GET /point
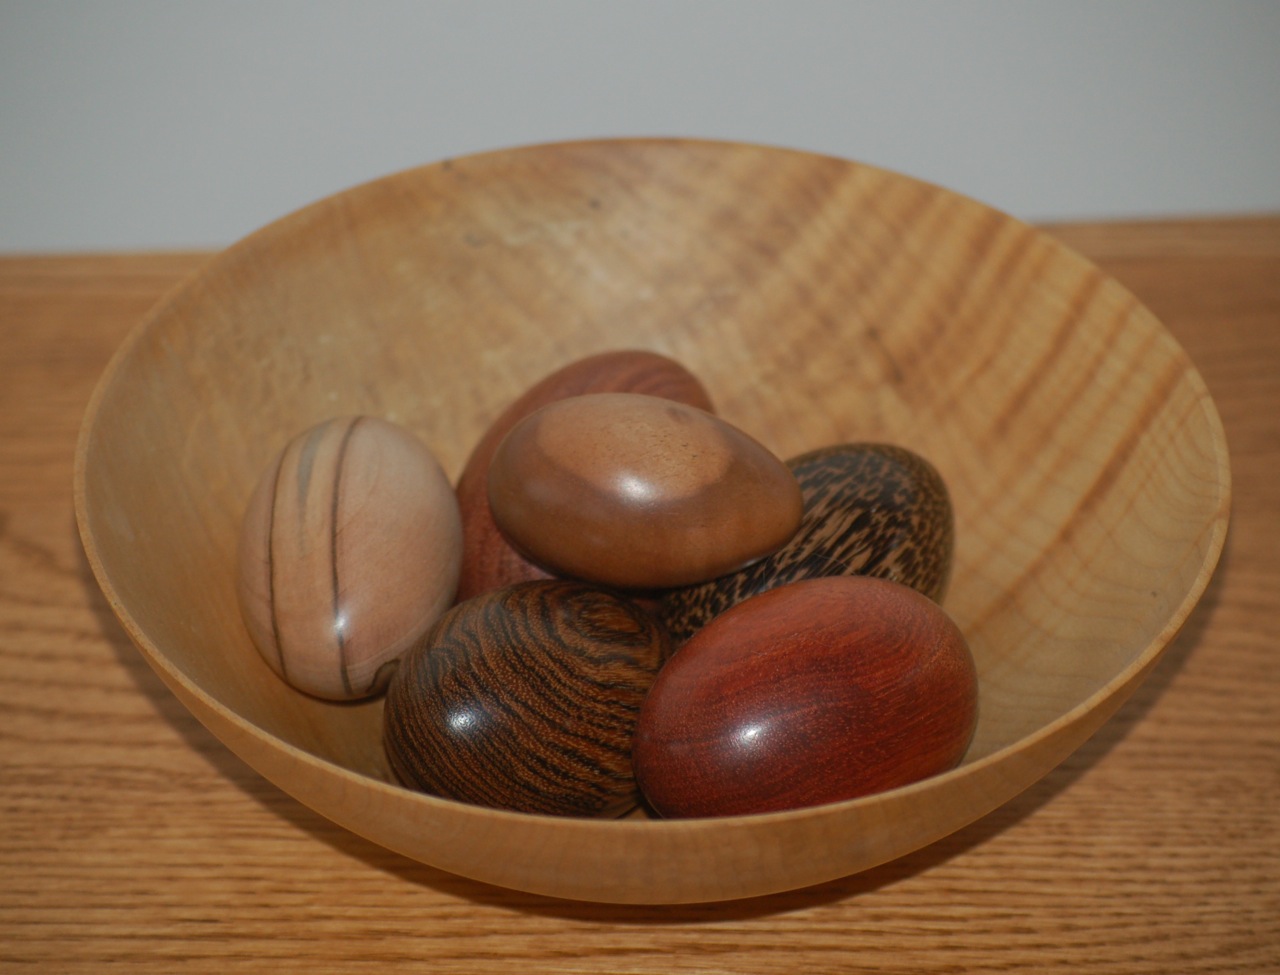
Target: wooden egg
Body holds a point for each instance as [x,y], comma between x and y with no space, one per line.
[869,509]
[639,492]
[348,553]
[814,692]
[488,560]
[526,698]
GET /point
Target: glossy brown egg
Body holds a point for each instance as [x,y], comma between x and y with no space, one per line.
[348,553]
[526,698]
[639,492]
[814,692]
[488,560]
[869,509]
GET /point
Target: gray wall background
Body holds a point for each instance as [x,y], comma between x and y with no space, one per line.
[167,123]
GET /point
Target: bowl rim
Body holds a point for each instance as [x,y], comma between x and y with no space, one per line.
[1113,692]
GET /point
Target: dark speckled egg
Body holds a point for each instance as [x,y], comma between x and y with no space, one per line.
[870,509]
[526,698]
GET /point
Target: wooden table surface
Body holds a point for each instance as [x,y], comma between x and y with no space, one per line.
[130,837]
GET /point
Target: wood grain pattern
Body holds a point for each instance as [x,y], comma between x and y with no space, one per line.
[526,698]
[813,692]
[638,492]
[1085,460]
[131,838]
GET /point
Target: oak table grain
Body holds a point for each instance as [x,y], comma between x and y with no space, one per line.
[131,839]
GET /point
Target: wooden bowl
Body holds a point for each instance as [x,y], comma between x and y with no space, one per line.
[820,301]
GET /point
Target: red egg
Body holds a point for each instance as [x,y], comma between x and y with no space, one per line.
[488,561]
[814,692]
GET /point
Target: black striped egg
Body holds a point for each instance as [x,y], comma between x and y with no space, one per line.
[526,698]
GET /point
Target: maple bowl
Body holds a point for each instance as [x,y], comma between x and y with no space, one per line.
[819,301]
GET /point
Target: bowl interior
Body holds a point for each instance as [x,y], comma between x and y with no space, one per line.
[819,300]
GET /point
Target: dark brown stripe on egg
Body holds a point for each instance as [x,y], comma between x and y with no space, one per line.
[339,624]
[307,461]
[271,570]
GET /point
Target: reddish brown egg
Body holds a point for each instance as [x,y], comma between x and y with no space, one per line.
[348,554]
[639,492]
[814,692]
[488,560]
[526,698]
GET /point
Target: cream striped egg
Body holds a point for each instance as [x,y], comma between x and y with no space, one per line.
[349,551]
